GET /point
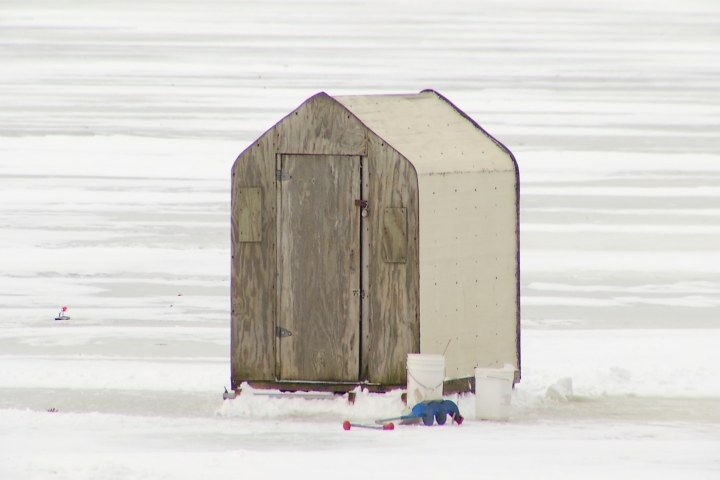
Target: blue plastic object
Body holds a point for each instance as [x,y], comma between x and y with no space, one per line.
[430,412]
[424,411]
[452,409]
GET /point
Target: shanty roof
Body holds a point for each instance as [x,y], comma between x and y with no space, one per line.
[428,130]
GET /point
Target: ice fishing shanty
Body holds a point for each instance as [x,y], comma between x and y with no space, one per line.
[365,228]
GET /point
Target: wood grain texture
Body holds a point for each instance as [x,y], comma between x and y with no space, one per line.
[319,231]
[306,386]
[249,214]
[278,242]
[394,235]
[394,287]
[252,280]
[321,126]
[365,278]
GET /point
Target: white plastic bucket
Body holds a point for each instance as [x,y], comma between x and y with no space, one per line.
[493,392]
[425,377]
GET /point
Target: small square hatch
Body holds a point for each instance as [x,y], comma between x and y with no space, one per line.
[394,246]
[249,212]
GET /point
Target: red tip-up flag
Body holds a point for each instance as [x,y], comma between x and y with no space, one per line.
[64,309]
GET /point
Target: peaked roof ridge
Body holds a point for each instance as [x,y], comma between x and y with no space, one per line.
[471,120]
[430,131]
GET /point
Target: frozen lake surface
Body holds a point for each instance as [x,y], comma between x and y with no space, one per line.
[119,122]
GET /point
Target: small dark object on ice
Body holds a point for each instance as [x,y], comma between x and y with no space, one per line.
[52,410]
[61,315]
[229,395]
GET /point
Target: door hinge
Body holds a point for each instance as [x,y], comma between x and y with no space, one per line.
[281,332]
[358,293]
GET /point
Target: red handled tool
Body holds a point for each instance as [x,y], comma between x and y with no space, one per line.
[386,426]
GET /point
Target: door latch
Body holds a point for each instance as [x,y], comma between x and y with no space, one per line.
[363,204]
[358,293]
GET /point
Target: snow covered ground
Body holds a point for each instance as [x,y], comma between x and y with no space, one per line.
[119,122]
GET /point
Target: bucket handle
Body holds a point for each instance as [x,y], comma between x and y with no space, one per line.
[425,386]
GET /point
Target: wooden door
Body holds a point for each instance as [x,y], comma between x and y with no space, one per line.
[318,325]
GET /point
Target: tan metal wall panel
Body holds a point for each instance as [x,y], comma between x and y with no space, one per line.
[321,126]
[318,260]
[252,280]
[393,287]
[468,287]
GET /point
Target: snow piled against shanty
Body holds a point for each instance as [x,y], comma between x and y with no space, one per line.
[593,371]
[254,403]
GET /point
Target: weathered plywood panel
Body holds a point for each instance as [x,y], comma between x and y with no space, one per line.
[365,276]
[318,260]
[249,214]
[252,280]
[469,264]
[321,126]
[393,290]
[394,239]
